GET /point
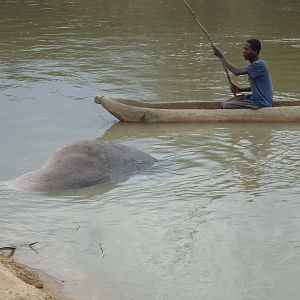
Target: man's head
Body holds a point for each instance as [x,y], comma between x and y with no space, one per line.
[251,49]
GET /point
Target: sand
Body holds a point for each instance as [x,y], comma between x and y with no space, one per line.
[20,282]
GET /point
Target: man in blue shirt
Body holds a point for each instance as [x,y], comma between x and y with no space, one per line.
[259,77]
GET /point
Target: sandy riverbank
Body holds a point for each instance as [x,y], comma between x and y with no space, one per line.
[20,282]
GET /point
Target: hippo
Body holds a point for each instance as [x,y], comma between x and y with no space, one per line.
[82,164]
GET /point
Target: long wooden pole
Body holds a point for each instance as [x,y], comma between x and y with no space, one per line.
[209,38]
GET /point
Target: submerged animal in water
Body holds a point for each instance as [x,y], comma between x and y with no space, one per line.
[84,163]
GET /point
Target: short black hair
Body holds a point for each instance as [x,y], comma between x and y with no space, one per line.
[255,44]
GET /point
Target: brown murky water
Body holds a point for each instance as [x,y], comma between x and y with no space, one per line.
[217,216]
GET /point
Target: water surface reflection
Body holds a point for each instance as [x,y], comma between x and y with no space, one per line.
[217,217]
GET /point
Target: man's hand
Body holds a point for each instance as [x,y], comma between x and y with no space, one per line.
[235,89]
[217,52]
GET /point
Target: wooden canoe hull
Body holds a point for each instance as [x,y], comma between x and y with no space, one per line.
[196,111]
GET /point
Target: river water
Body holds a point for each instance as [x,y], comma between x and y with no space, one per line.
[217,217]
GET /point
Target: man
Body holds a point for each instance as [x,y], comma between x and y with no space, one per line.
[259,77]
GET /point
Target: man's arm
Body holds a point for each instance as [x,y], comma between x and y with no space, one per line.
[236,89]
[230,66]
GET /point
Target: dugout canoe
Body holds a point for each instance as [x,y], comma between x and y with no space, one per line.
[196,111]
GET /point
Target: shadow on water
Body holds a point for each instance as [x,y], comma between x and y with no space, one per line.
[122,131]
[81,194]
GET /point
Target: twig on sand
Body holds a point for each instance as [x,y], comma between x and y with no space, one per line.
[30,246]
[12,250]
[101,249]
[76,228]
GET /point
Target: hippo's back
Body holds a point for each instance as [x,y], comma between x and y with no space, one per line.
[85,163]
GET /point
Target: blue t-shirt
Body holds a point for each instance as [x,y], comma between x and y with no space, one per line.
[261,84]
